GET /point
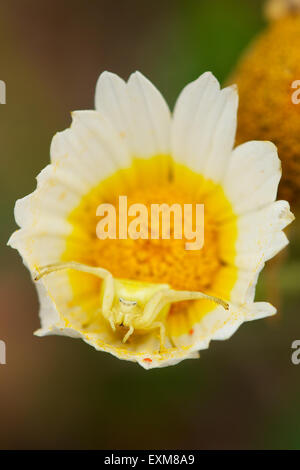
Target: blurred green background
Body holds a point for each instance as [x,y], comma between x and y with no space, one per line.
[58,392]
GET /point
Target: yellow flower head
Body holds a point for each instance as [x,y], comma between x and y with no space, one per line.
[266,77]
[147,298]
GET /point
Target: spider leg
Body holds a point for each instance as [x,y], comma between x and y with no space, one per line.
[166,296]
[96,271]
[162,333]
[112,322]
[128,334]
[50,268]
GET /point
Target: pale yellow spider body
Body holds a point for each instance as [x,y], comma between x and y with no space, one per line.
[134,305]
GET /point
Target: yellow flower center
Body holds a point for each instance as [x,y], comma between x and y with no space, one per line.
[156,261]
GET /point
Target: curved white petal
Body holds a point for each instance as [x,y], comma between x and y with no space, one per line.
[220,324]
[204,126]
[91,149]
[260,235]
[48,313]
[137,111]
[252,176]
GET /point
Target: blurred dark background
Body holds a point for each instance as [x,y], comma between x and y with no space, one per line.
[58,392]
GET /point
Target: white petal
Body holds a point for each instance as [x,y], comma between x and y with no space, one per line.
[260,235]
[113,101]
[137,111]
[247,312]
[38,248]
[92,146]
[259,310]
[204,126]
[220,324]
[244,288]
[48,313]
[252,176]
[205,88]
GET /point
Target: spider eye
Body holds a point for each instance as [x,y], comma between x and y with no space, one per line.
[127,302]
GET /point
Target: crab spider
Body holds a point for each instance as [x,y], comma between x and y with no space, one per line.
[134,305]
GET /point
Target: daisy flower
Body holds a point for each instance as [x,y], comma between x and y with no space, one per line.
[151,300]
